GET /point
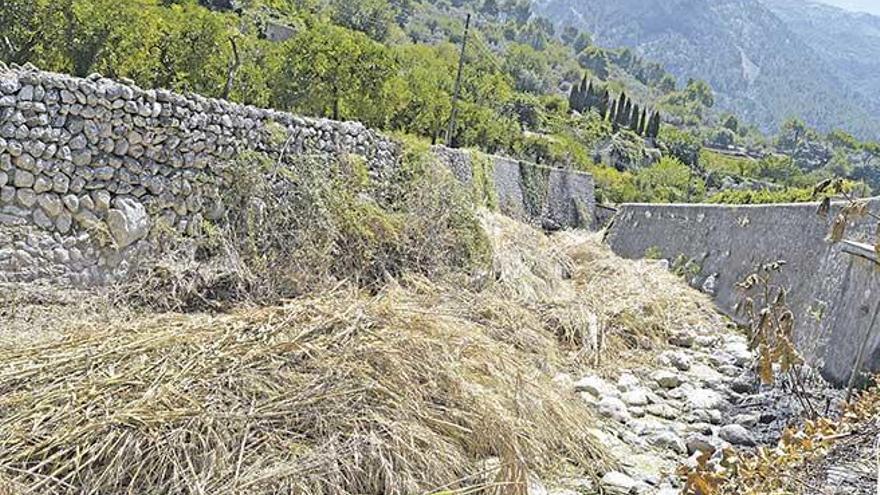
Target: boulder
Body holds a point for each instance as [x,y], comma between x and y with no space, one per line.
[666,379]
[736,435]
[128,221]
[595,386]
[613,408]
[617,483]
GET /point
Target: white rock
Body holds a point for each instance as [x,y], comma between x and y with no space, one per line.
[668,440]
[664,411]
[613,408]
[23,178]
[666,379]
[26,197]
[627,381]
[683,339]
[128,221]
[50,203]
[704,398]
[595,386]
[617,483]
[635,397]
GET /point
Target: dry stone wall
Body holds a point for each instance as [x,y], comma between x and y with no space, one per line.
[832,293]
[89,167]
[85,160]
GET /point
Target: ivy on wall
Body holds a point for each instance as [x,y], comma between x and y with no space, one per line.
[483,181]
[535,186]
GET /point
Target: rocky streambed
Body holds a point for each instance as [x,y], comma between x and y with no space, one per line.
[700,396]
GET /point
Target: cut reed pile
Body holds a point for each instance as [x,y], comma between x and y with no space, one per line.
[598,304]
[403,392]
[408,389]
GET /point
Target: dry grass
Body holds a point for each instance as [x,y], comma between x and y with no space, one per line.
[601,306]
[343,393]
[408,389]
[31,312]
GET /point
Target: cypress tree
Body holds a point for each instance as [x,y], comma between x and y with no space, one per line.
[618,112]
[603,104]
[636,119]
[590,98]
[573,99]
[643,122]
[654,127]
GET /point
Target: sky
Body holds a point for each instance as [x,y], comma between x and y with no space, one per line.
[871,6]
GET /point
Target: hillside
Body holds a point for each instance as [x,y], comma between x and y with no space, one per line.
[759,65]
[848,42]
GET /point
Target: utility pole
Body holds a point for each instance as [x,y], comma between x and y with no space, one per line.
[451,131]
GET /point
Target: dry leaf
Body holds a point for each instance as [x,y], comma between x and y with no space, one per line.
[838,229]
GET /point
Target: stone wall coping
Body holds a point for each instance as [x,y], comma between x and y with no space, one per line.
[572,171]
[714,206]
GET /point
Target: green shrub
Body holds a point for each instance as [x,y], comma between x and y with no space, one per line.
[535,184]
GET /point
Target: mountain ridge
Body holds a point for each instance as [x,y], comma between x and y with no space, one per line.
[726,43]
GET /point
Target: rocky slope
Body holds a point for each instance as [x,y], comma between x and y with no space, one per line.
[699,396]
[759,65]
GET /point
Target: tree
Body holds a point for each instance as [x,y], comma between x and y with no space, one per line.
[418,98]
[489,8]
[635,121]
[670,181]
[643,122]
[604,104]
[333,72]
[373,17]
[582,41]
[700,92]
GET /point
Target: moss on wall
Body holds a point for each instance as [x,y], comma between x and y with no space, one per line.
[535,186]
[483,180]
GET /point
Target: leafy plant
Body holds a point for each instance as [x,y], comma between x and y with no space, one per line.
[771,327]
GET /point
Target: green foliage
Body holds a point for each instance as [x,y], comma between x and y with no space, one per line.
[726,165]
[483,181]
[670,181]
[788,195]
[535,184]
[614,186]
[300,225]
[334,72]
[682,145]
[653,253]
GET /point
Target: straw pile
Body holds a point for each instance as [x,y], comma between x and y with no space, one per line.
[408,389]
[403,392]
[598,304]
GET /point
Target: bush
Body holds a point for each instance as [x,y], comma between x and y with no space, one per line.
[305,224]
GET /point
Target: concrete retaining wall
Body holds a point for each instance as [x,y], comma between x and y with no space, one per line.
[833,294]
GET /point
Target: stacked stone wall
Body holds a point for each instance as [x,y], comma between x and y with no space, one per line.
[89,167]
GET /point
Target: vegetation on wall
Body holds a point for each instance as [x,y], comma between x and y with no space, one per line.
[535,184]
